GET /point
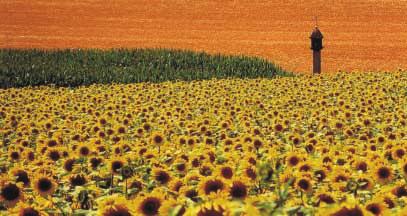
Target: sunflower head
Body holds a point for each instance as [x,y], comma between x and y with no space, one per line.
[387,199]
[211,211]
[348,210]
[226,171]
[238,190]
[44,185]
[383,174]
[116,164]
[77,180]
[54,154]
[249,171]
[400,190]
[157,138]
[190,193]
[304,184]
[365,182]
[212,185]
[326,198]
[161,176]
[375,208]
[361,165]
[23,209]
[84,150]
[149,205]
[10,194]
[22,176]
[115,206]
[175,185]
[293,159]
[69,164]
[95,162]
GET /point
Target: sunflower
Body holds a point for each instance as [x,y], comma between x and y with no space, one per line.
[375,208]
[135,184]
[214,208]
[212,186]
[212,211]
[157,138]
[365,182]
[196,162]
[249,171]
[95,162]
[84,150]
[238,190]
[180,166]
[115,206]
[296,140]
[400,190]
[24,209]
[14,155]
[209,141]
[29,155]
[191,141]
[287,177]
[121,129]
[225,171]
[353,210]
[77,180]
[10,194]
[51,143]
[161,176]
[175,185]
[69,164]
[116,164]
[224,124]
[383,174]
[21,175]
[182,140]
[258,143]
[304,184]
[172,207]
[293,159]
[190,193]
[361,165]
[54,154]
[44,185]
[250,208]
[320,175]
[149,205]
[205,169]
[387,199]
[325,198]
[403,166]
[340,175]
[305,167]
[278,127]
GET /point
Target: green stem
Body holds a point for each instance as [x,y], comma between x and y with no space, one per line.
[111,183]
[125,182]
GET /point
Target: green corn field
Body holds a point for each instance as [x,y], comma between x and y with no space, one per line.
[75,67]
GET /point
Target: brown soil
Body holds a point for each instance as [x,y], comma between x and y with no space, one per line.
[363,35]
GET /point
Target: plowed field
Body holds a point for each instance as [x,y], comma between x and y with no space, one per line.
[362,35]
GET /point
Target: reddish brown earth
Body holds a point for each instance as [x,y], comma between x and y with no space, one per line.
[363,34]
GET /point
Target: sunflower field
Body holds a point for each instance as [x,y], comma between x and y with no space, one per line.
[307,145]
